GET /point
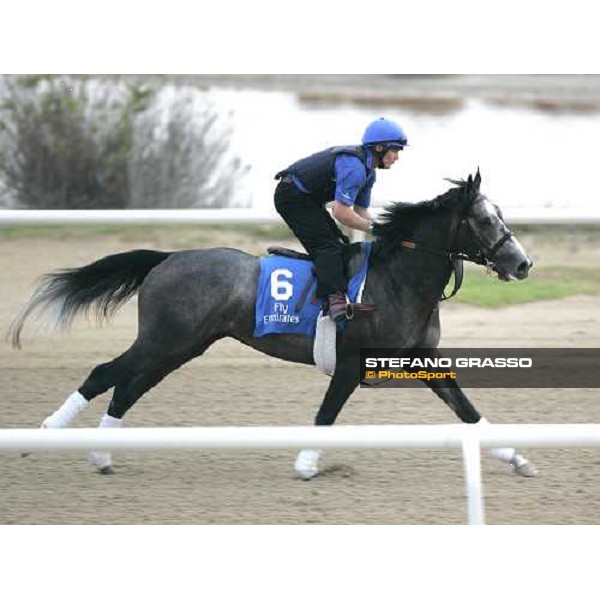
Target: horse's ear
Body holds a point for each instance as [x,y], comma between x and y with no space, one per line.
[477,181]
[470,182]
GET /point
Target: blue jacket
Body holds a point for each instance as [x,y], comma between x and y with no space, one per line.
[341,173]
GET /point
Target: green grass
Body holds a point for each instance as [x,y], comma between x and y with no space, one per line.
[544,283]
[57,231]
[140,232]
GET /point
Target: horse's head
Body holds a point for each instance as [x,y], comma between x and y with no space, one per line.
[462,223]
[482,234]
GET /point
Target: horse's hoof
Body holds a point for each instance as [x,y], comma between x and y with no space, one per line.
[522,466]
[525,469]
[307,464]
[101,461]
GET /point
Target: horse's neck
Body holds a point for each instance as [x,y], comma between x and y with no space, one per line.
[434,231]
[425,269]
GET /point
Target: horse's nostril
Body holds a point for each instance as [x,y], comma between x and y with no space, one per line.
[524,266]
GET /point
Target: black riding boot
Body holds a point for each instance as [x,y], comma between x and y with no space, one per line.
[338,306]
[342,311]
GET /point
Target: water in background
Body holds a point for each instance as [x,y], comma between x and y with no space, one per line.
[528,159]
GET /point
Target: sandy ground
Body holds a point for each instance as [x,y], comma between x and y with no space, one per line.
[371,487]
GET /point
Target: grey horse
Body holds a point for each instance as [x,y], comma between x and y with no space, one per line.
[188,300]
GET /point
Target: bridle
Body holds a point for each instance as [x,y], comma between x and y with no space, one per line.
[456,257]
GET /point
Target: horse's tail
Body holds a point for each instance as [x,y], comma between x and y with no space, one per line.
[105,284]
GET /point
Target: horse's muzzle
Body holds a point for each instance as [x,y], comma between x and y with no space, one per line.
[523,269]
[520,272]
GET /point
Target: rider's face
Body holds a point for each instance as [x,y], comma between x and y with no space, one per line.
[389,158]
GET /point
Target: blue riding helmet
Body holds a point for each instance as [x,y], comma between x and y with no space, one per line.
[386,132]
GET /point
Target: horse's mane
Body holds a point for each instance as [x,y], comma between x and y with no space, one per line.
[400,219]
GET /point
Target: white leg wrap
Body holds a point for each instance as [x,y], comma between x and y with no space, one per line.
[307,464]
[99,458]
[509,455]
[108,421]
[71,407]
[504,454]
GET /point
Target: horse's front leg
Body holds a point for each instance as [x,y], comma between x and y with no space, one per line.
[450,392]
[345,380]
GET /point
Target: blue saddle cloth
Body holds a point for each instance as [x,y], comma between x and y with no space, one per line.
[283,304]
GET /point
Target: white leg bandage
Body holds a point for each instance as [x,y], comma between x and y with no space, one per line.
[509,455]
[307,463]
[108,421]
[71,407]
[99,458]
[504,454]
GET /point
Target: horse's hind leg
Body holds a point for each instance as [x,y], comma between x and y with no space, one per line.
[142,369]
[101,379]
[126,393]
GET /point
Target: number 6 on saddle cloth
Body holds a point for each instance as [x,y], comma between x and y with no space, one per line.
[285,299]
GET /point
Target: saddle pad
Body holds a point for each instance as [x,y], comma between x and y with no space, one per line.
[283,305]
[324,350]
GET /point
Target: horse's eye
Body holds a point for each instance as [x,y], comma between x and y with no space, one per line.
[486,221]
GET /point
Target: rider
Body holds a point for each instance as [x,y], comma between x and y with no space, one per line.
[344,175]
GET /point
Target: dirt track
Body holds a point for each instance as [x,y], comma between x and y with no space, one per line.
[392,487]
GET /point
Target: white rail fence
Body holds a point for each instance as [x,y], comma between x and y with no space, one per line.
[470,439]
[244,215]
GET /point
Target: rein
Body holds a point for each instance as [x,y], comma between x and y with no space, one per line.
[455,257]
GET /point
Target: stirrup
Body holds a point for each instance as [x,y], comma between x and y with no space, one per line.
[354,308]
[340,302]
[349,311]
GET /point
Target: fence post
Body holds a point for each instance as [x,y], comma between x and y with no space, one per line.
[471,450]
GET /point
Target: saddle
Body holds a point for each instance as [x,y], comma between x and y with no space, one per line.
[287,252]
[354,258]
